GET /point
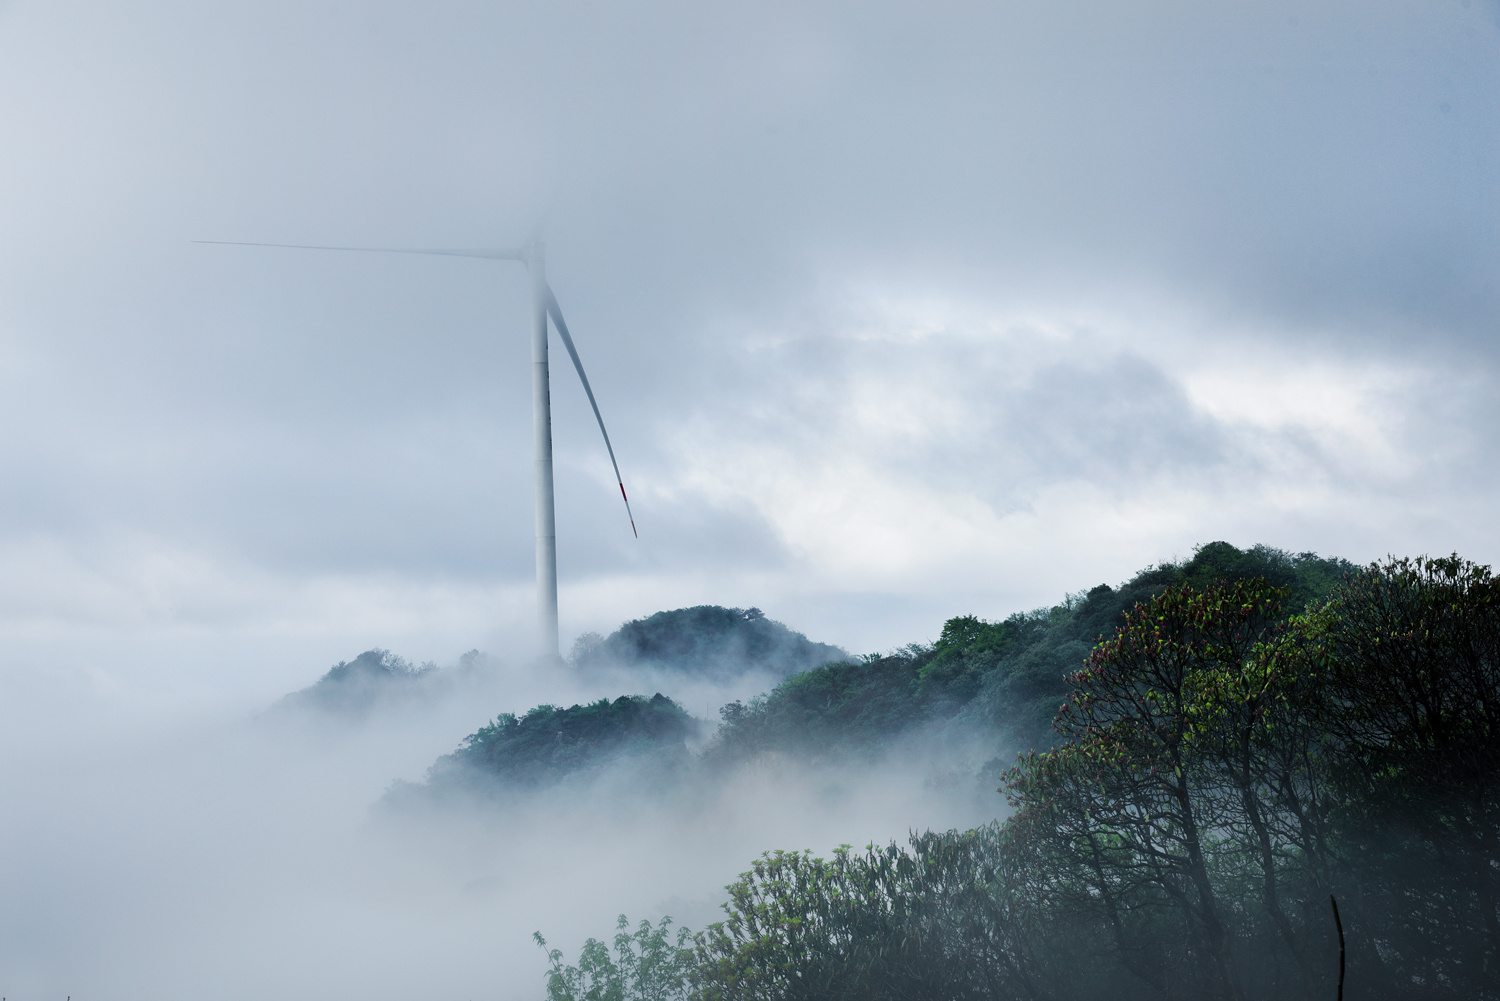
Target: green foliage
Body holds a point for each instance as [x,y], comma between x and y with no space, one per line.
[967,649]
[1007,677]
[549,742]
[1022,692]
[1003,679]
[1227,771]
[834,707]
[648,965]
[708,641]
[1405,663]
[935,921]
[1143,797]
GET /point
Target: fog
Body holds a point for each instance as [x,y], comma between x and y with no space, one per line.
[242,854]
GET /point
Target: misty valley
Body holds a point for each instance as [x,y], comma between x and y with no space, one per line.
[1249,774]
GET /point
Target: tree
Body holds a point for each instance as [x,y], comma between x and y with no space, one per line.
[939,921]
[1133,794]
[648,965]
[1408,655]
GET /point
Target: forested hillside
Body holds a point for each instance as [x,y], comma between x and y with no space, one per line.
[706,640]
[550,743]
[1006,677]
[354,687]
[999,683]
[1235,754]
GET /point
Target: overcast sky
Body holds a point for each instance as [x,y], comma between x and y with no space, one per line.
[895,311]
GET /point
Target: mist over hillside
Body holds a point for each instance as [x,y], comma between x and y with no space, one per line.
[455,810]
[963,706]
[702,652]
[643,738]
[705,641]
[356,686]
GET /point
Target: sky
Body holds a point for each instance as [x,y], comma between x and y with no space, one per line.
[896,312]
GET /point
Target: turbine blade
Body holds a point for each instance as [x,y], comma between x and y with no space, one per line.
[555,312]
[487,254]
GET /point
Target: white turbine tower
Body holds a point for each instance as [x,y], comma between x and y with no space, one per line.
[544,304]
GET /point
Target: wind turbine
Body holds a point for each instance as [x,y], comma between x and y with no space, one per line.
[543,305]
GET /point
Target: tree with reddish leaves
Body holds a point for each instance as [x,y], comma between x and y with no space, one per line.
[1135,778]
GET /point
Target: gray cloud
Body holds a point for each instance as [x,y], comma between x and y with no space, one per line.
[1192,185]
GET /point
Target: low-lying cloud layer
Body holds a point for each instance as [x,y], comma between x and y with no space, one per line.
[240,857]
